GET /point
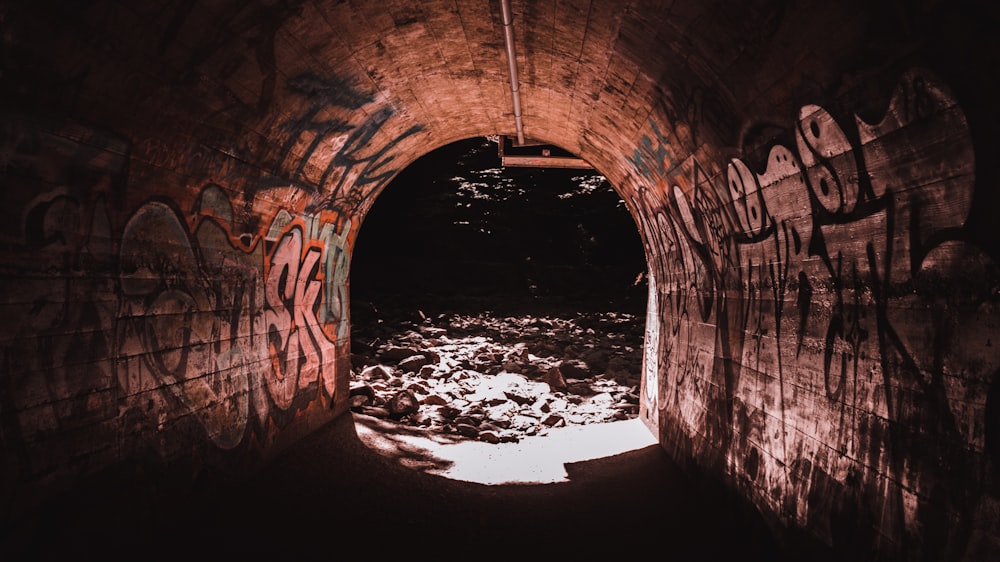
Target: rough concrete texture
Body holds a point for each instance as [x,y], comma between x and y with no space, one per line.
[183,183]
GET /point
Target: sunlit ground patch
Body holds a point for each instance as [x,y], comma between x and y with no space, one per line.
[537,459]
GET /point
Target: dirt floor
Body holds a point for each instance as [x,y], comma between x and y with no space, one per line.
[382,489]
[355,488]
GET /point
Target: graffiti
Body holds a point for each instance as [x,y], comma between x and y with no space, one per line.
[298,347]
[307,132]
[59,178]
[816,277]
[329,153]
[374,171]
[654,158]
[220,316]
[336,268]
[169,321]
[650,359]
[229,328]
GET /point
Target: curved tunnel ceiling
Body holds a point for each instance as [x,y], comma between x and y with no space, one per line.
[308,90]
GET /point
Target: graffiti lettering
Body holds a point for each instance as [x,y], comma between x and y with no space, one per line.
[345,177]
[820,275]
[299,350]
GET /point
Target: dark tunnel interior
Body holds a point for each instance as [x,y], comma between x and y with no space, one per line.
[458,229]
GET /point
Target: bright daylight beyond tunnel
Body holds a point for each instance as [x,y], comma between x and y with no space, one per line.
[497,313]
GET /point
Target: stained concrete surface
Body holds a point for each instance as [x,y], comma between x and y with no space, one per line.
[335,493]
[364,488]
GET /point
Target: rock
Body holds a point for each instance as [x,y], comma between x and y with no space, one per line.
[498,376]
[531,370]
[362,395]
[627,408]
[449,412]
[467,419]
[375,411]
[558,404]
[487,426]
[417,388]
[554,378]
[402,403]
[553,420]
[596,359]
[541,405]
[413,363]
[434,400]
[574,369]
[432,332]
[467,430]
[500,414]
[580,389]
[602,399]
[394,354]
[422,419]
[376,372]
[518,398]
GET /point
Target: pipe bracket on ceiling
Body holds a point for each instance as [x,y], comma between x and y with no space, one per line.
[545,159]
[508,39]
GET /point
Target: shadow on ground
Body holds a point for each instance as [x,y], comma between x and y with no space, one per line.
[331,494]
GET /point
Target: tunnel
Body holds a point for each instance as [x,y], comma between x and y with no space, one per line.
[812,183]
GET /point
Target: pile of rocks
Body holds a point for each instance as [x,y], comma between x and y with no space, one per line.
[498,378]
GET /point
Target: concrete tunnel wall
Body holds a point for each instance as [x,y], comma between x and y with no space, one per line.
[183,183]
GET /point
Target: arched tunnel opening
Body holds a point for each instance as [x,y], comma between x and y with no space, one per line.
[458,227]
[185,182]
[498,303]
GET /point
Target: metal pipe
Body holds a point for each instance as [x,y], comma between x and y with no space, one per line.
[508,39]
